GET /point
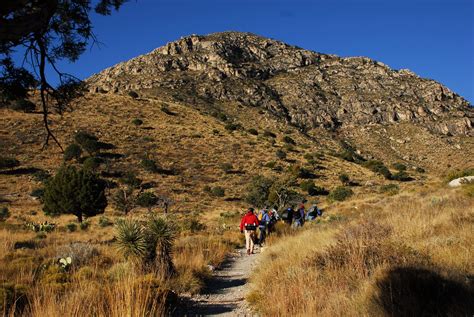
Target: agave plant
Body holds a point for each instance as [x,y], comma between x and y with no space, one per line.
[131,240]
[160,235]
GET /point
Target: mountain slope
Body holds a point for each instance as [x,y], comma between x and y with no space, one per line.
[306,89]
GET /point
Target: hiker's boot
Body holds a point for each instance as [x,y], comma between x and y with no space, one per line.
[248,251]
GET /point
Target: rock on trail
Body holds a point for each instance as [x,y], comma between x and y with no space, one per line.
[225,293]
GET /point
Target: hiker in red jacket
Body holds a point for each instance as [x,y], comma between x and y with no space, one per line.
[249,224]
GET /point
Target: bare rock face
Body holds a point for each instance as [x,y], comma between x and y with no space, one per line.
[306,88]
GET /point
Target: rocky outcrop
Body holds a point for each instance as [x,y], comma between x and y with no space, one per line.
[306,88]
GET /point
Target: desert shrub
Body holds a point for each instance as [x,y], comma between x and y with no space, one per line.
[137,121]
[269,134]
[105,222]
[233,126]
[88,142]
[72,151]
[344,178]
[124,200]
[71,227]
[420,170]
[149,165]
[4,213]
[91,163]
[84,225]
[349,153]
[133,94]
[399,166]
[378,167]
[218,191]
[289,147]
[455,174]
[258,190]
[131,180]
[312,190]
[289,140]
[306,185]
[147,200]
[252,131]
[280,154]
[8,162]
[340,193]
[401,176]
[308,157]
[226,167]
[207,189]
[73,191]
[390,189]
[23,105]
[193,225]
[38,193]
[41,176]
[467,188]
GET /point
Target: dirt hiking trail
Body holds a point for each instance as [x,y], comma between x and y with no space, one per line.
[225,292]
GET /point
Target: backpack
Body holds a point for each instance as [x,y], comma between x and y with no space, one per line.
[285,215]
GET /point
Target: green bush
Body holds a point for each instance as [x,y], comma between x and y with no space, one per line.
[137,121]
[149,165]
[308,157]
[420,170]
[289,140]
[252,131]
[23,105]
[123,200]
[71,227]
[378,167]
[77,192]
[88,142]
[73,151]
[8,162]
[166,110]
[340,193]
[399,167]
[91,163]
[280,154]
[233,126]
[104,222]
[402,176]
[270,164]
[344,178]
[133,94]
[218,191]
[4,213]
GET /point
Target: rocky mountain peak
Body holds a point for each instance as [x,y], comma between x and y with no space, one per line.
[306,88]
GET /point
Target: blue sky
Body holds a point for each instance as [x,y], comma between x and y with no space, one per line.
[434,38]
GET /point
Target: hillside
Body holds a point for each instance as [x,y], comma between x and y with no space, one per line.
[196,121]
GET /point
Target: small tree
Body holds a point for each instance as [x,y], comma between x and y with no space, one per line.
[88,142]
[131,180]
[4,214]
[281,194]
[73,151]
[77,192]
[149,165]
[91,163]
[124,200]
[258,190]
[344,178]
[281,154]
[340,193]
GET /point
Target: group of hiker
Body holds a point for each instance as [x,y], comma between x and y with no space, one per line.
[264,222]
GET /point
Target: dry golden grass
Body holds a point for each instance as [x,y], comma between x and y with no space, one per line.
[378,264]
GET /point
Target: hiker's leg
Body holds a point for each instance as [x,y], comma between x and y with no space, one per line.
[247,240]
[251,241]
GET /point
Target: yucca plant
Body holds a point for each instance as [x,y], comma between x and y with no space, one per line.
[160,235]
[131,241]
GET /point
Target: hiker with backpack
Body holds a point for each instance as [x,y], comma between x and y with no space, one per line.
[263,226]
[287,215]
[248,225]
[299,216]
[313,213]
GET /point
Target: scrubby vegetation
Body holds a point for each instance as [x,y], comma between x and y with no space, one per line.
[410,258]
